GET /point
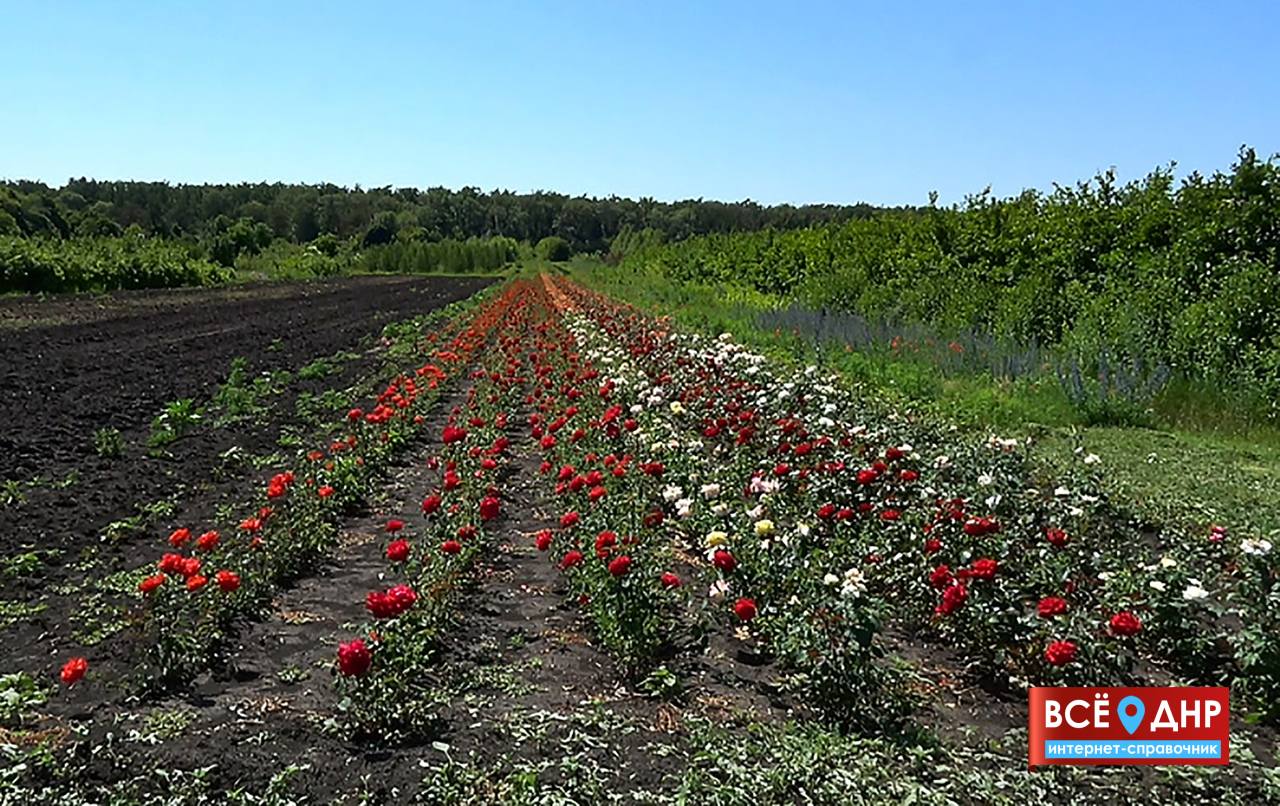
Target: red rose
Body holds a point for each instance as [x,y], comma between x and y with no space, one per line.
[890,515]
[619,566]
[596,493]
[394,526]
[908,475]
[73,671]
[207,541]
[984,568]
[354,658]
[932,546]
[403,595]
[171,563]
[976,527]
[1060,653]
[151,583]
[745,609]
[543,540]
[941,577]
[325,492]
[571,558]
[489,506]
[724,561]
[179,537]
[398,551]
[1125,624]
[670,580]
[604,541]
[1056,536]
[431,503]
[953,599]
[569,519]
[1051,606]
[451,547]
[196,582]
[228,581]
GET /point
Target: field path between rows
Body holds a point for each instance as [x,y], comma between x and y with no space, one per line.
[310,619]
[519,615]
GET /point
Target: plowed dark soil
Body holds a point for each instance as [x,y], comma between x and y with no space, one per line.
[69,367]
[72,365]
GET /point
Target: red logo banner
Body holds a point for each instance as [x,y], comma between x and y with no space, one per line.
[1170,725]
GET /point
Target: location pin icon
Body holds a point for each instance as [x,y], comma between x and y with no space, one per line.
[1131,711]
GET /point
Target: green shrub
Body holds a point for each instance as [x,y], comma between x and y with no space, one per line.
[553,248]
[1184,276]
[101,264]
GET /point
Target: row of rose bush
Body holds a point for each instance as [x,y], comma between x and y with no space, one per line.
[208,580]
[832,517]
[384,674]
[610,541]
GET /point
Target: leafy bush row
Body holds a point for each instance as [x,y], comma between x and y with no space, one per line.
[1186,275]
[422,257]
[98,264]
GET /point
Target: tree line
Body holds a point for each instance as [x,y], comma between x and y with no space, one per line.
[376,216]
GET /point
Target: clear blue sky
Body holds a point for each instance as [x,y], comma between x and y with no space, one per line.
[836,102]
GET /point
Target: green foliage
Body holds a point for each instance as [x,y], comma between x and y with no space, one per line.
[374,216]
[19,695]
[282,260]
[230,240]
[1180,276]
[476,255]
[108,443]
[101,264]
[554,249]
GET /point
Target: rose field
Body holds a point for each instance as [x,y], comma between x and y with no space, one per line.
[521,540]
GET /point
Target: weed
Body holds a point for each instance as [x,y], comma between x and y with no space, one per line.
[19,695]
[11,611]
[108,443]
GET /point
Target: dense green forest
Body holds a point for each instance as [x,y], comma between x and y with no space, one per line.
[302,213]
[1180,274]
[92,235]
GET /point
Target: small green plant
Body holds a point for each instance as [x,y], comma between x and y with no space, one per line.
[108,443]
[11,612]
[118,530]
[163,725]
[320,368]
[11,494]
[157,509]
[662,683]
[178,418]
[292,674]
[25,564]
[19,695]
